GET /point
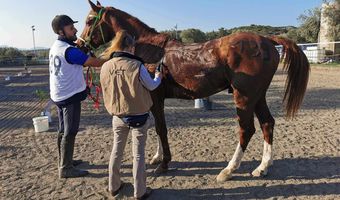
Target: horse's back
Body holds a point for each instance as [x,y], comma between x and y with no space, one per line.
[195,69]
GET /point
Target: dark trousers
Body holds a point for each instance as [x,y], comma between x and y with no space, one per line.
[69,117]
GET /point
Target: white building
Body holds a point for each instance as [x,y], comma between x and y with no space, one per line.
[330,48]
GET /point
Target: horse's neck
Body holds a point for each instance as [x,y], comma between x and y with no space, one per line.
[156,39]
[151,47]
[122,20]
[149,43]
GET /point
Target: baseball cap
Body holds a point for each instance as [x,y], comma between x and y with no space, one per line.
[60,21]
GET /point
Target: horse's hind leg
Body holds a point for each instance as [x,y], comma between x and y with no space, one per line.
[246,131]
[267,125]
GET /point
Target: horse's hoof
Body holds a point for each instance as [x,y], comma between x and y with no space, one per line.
[160,169]
[224,176]
[155,161]
[259,172]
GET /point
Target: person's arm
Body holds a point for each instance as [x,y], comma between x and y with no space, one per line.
[146,79]
[94,62]
[76,56]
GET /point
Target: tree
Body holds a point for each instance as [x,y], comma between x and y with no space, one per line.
[261,29]
[222,32]
[294,34]
[10,52]
[217,34]
[310,25]
[332,13]
[192,35]
[172,33]
[211,35]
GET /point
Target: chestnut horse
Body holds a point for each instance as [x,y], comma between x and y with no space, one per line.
[244,61]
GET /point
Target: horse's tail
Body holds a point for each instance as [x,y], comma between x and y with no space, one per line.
[297,66]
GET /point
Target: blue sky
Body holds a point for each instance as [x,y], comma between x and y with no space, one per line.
[16,19]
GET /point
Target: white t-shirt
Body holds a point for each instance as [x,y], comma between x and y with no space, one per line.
[66,79]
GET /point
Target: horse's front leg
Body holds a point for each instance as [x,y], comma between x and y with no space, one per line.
[163,145]
[246,131]
[158,157]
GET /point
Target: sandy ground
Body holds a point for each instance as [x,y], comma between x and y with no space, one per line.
[306,150]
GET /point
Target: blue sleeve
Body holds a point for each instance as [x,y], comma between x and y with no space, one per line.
[146,79]
[74,55]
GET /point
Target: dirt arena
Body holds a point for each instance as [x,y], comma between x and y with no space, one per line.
[306,149]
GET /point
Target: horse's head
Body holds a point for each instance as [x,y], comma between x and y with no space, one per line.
[102,24]
[98,29]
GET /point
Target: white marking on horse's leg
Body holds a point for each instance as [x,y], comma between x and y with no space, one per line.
[233,164]
[267,160]
[157,158]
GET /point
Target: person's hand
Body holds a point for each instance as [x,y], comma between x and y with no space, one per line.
[158,75]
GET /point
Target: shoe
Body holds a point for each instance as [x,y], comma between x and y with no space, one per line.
[72,173]
[77,162]
[145,195]
[115,193]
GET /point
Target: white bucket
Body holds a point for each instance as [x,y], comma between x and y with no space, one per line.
[203,103]
[199,103]
[40,124]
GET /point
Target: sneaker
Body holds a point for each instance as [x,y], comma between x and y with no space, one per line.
[72,173]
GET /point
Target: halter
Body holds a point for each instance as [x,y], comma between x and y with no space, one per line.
[87,40]
[91,74]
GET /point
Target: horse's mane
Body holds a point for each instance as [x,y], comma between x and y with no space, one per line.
[135,22]
[149,41]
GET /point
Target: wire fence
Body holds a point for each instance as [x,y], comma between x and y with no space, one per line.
[27,57]
[23,60]
[327,52]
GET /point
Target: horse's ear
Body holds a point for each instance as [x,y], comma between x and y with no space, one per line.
[98,3]
[94,7]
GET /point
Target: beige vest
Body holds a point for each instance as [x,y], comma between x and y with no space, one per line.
[123,92]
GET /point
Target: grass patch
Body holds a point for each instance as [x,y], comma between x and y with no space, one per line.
[41,94]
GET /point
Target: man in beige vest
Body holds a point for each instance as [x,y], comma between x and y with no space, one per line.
[126,84]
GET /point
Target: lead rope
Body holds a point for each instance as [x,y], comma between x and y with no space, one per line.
[92,80]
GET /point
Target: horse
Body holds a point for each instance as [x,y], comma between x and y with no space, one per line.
[244,62]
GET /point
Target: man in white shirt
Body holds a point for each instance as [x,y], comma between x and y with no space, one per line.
[67,90]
